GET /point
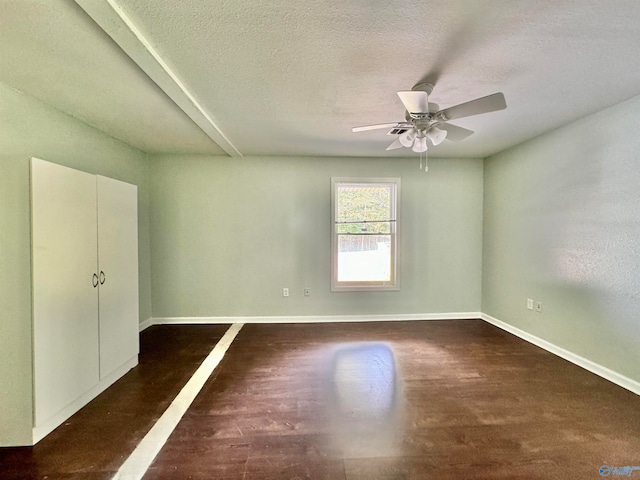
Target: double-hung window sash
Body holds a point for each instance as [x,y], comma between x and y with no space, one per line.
[365,225]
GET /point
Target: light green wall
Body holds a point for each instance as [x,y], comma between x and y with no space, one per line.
[227,234]
[562,225]
[31,128]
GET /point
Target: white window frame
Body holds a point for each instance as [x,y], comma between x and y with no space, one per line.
[394,283]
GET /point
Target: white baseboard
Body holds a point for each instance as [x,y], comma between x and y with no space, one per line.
[145,324]
[317,318]
[596,368]
[44,429]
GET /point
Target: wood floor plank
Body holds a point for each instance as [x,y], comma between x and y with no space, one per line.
[407,400]
[94,442]
[376,401]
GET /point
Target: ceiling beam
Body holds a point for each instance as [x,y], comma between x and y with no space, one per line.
[116,23]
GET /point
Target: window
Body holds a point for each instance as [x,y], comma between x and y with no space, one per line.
[364,217]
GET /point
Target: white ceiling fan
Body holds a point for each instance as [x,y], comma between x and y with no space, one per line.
[424,121]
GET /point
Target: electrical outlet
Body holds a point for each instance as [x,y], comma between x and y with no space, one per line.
[539,307]
[307,292]
[285,292]
[530,303]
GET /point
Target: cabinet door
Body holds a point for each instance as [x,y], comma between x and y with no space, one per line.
[65,302]
[118,262]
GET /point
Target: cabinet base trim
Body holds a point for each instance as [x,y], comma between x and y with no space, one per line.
[41,431]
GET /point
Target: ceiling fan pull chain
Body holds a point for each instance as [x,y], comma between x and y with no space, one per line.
[420,160]
[426,165]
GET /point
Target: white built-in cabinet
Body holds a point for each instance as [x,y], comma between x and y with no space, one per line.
[85,288]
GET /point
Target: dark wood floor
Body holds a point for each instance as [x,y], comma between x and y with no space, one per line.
[374,401]
[94,442]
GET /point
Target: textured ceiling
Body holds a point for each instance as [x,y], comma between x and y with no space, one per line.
[291,77]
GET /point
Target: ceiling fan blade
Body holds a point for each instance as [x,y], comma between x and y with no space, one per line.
[395,144]
[454,132]
[375,127]
[415,101]
[490,103]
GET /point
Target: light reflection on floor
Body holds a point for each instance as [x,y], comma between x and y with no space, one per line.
[364,399]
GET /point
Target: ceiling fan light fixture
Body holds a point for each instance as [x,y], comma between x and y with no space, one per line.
[437,135]
[406,139]
[420,145]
